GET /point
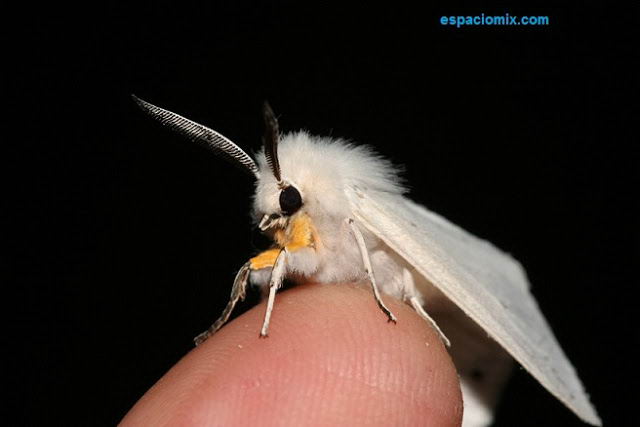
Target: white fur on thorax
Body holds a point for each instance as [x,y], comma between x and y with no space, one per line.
[323,169]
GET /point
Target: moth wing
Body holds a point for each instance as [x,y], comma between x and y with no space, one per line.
[487,284]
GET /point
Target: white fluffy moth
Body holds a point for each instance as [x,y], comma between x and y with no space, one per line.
[337,213]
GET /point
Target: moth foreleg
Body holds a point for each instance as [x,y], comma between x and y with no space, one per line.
[369,270]
[238,292]
[277,275]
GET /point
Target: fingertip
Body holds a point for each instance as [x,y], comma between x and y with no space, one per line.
[330,358]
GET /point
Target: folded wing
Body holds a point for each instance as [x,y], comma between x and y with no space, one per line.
[486,283]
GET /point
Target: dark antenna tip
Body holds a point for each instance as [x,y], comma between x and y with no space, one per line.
[144,105]
[267,112]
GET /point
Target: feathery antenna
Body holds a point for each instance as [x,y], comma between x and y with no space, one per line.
[270,140]
[211,139]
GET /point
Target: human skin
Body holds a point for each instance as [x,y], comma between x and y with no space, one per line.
[331,358]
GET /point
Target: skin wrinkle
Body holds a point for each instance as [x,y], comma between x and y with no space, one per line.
[370,367]
[385,383]
[331,359]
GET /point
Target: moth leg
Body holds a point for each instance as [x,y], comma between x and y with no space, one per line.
[422,313]
[410,292]
[277,274]
[238,292]
[367,265]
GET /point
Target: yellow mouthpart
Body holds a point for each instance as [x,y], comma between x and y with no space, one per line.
[299,234]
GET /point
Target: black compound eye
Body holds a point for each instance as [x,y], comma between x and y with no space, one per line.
[290,200]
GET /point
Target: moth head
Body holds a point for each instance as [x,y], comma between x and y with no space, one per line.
[272,186]
[311,178]
[305,174]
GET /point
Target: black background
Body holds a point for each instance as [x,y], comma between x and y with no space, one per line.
[124,238]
